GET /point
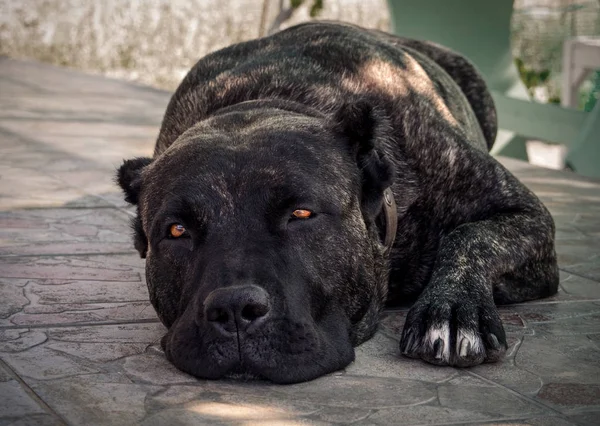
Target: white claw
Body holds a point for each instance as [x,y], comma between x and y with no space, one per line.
[464,347]
[441,332]
[469,343]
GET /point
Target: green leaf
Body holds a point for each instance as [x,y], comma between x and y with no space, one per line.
[316,8]
[543,75]
[520,65]
[530,78]
[554,100]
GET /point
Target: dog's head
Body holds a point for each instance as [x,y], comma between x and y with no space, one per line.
[258,228]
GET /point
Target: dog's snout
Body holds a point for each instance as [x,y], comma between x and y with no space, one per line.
[234,309]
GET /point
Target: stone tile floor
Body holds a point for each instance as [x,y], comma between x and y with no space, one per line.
[79,340]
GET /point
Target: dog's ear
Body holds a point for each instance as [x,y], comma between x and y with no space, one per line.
[130,180]
[129,177]
[368,131]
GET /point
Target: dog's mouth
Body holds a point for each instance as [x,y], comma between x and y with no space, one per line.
[282,351]
[241,373]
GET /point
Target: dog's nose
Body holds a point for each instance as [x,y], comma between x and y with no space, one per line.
[234,309]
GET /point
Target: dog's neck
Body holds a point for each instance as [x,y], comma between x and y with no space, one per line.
[390,216]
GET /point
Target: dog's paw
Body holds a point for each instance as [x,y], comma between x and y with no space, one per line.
[460,334]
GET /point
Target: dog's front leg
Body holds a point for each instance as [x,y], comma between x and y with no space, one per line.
[508,257]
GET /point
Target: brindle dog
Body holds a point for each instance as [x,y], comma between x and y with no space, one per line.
[262,217]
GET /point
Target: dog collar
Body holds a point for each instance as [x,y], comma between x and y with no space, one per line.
[390,214]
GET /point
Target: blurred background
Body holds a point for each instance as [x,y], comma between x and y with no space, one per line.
[539,29]
[155,42]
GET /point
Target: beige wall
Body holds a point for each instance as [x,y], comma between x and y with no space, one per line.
[151,41]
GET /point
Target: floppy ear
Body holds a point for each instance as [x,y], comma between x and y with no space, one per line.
[129,177]
[368,131]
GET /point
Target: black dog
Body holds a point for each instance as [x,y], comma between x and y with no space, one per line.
[263,214]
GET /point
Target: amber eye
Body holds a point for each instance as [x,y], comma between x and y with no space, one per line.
[302,214]
[177,230]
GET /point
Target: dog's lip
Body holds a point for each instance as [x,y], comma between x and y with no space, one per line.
[241,373]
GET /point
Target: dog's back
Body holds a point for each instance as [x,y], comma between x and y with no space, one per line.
[331,64]
[465,74]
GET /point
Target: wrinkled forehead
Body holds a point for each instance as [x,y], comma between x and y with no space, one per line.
[232,158]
